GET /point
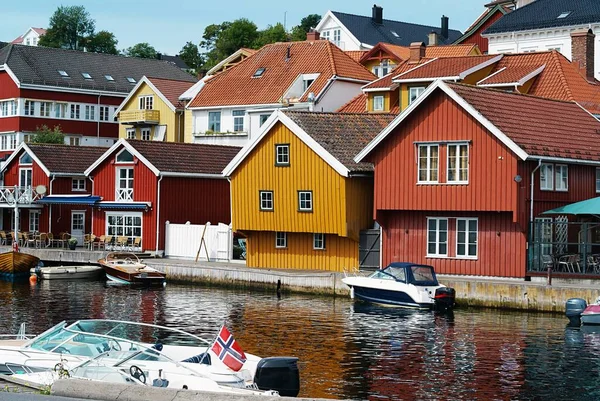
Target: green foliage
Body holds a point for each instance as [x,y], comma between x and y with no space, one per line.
[272,34]
[44,134]
[69,28]
[102,42]
[190,54]
[141,50]
[222,40]
[299,31]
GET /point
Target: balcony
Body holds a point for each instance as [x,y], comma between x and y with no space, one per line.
[18,195]
[139,117]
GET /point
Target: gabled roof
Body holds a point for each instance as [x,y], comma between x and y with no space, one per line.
[402,53]
[516,76]
[386,82]
[335,137]
[356,105]
[448,68]
[545,14]
[175,60]
[175,159]
[38,66]
[489,12]
[239,55]
[368,32]
[238,85]
[355,55]
[19,40]
[55,159]
[532,127]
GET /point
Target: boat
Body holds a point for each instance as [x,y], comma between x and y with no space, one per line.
[67,272]
[126,268]
[16,265]
[159,352]
[580,313]
[402,284]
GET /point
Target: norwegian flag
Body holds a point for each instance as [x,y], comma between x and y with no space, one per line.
[228,350]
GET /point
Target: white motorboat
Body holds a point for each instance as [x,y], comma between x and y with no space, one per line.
[579,312]
[67,272]
[402,284]
[157,351]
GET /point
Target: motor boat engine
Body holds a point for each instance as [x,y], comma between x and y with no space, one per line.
[444,298]
[278,373]
[574,307]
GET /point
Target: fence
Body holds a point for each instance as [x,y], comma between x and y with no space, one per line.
[207,242]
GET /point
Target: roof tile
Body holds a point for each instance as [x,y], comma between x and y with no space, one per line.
[66,159]
[171,89]
[445,67]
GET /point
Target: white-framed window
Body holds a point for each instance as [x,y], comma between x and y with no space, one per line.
[104,113]
[238,120]
[382,69]
[78,184]
[326,35]
[597,179]
[437,237]
[378,103]
[263,119]
[562,177]
[29,109]
[546,177]
[414,92]
[280,240]
[34,221]
[124,157]
[458,163]
[8,108]
[543,234]
[319,241]
[428,163]
[13,141]
[74,141]
[124,191]
[60,110]
[145,134]
[124,224]
[282,155]
[214,121]
[45,109]
[266,200]
[146,102]
[305,201]
[25,177]
[8,141]
[25,159]
[90,112]
[75,111]
[337,36]
[130,133]
[466,238]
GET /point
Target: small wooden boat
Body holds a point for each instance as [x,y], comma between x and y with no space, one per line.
[67,272]
[16,265]
[126,268]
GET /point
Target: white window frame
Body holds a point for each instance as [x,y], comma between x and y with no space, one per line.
[428,167]
[548,183]
[558,178]
[146,102]
[416,91]
[124,194]
[145,134]
[124,162]
[75,112]
[303,199]
[46,109]
[282,155]
[378,103]
[238,120]
[597,180]
[61,110]
[104,113]
[78,184]
[457,169]
[34,221]
[74,141]
[264,198]
[337,36]
[319,242]
[280,240]
[130,133]
[214,126]
[123,226]
[467,243]
[437,241]
[90,112]
[29,108]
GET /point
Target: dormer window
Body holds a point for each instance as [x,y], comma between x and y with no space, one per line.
[564,14]
[109,78]
[25,159]
[124,156]
[259,73]
[63,73]
[395,34]
[86,75]
[131,80]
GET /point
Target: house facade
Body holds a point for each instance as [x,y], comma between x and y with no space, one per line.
[462,174]
[144,184]
[297,195]
[30,38]
[473,34]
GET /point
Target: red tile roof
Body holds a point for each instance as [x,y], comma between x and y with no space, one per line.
[539,126]
[236,86]
[356,105]
[66,159]
[355,55]
[386,81]
[445,67]
[510,76]
[171,89]
[402,53]
[19,40]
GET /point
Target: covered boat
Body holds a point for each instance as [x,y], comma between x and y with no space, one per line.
[67,272]
[402,284]
[579,312]
[126,268]
[16,265]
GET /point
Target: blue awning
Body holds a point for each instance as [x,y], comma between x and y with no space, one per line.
[87,200]
[123,205]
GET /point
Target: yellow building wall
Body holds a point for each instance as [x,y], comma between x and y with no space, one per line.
[360,208]
[477,76]
[188,136]
[369,64]
[371,102]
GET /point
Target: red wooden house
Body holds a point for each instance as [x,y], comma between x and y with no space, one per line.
[66,204]
[493,12]
[143,184]
[463,171]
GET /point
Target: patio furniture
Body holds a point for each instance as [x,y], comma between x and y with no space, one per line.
[41,240]
[3,238]
[547,262]
[100,242]
[136,244]
[569,263]
[88,241]
[121,243]
[108,242]
[64,237]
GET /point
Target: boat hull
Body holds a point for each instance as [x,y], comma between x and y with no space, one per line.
[15,265]
[68,272]
[388,298]
[114,273]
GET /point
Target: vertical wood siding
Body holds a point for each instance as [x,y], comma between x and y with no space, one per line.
[8,88]
[359,192]
[476,37]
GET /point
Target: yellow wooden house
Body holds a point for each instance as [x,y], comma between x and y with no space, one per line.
[297,195]
[153,111]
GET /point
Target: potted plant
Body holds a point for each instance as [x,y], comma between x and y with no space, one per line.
[72,243]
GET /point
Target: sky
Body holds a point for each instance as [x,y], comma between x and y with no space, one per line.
[168,25]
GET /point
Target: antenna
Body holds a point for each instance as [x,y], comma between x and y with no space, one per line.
[284,20]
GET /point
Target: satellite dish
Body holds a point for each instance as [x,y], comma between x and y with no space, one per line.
[40,189]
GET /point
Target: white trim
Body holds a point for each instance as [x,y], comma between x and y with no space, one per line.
[279,116]
[412,69]
[11,74]
[131,94]
[122,142]
[78,179]
[50,88]
[437,253]
[190,175]
[236,106]
[329,14]
[426,79]
[478,67]
[489,76]
[284,240]
[368,90]
[520,82]
[466,243]
[233,56]
[27,149]
[193,91]
[457,159]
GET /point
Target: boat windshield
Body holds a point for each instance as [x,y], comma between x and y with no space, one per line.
[423,275]
[390,273]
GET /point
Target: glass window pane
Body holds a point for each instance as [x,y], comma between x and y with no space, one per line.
[443,224]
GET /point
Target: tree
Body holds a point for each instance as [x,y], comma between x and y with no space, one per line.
[102,42]
[191,56]
[141,50]
[299,31]
[69,28]
[44,134]
[222,40]
[272,34]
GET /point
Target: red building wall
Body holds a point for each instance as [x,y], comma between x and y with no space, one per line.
[476,37]
[8,88]
[87,128]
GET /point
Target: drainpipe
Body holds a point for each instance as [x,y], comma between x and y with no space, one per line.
[98,124]
[181,139]
[532,183]
[50,207]
[91,178]
[158,214]
[230,239]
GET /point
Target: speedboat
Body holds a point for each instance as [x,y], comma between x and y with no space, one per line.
[408,285]
[579,312]
[157,351]
[66,272]
[127,268]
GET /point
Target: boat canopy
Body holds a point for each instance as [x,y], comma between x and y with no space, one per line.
[410,273]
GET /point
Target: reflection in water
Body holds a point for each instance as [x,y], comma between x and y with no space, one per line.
[346,350]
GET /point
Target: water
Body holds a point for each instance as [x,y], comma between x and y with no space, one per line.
[347,350]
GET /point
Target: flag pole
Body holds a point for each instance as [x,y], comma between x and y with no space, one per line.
[211,344]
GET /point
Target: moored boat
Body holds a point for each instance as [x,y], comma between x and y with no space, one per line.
[67,272]
[126,268]
[579,312]
[16,265]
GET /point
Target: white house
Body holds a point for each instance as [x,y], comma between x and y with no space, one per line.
[30,38]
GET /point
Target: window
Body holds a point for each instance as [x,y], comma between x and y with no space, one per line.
[306,83]
[259,73]
[29,109]
[104,113]
[13,141]
[131,80]
[428,163]
[78,184]
[34,221]
[146,102]
[305,201]
[325,35]
[280,240]
[86,75]
[337,36]
[124,157]
[75,110]
[238,120]
[45,109]
[109,78]
[63,73]
[263,118]
[25,177]
[466,238]
[25,159]
[414,93]
[124,184]
[547,177]
[145,134]
[437,236]
[562,177]
[90,112]
[378,103]
[60,110]
[597,179]
[214,121]
[395,34]
[124,224]
[74,140]
[382,69]
[458,163]
[130,133]
[282,155]
[319,241]
[266,200]
[564,14]
[7,108]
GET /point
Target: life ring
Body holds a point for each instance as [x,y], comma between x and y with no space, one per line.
[15,246]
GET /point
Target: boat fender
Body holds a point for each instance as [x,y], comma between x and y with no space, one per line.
[15,246]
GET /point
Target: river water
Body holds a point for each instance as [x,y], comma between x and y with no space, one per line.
[347,350]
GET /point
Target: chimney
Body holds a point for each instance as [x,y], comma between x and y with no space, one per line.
[159,56]
[288,54]
[312,35]
[433,39]
[377,15]
[582,51]
[444,32]
[201,74]
[417,51]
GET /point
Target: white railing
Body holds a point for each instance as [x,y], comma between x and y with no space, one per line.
[188,241]
[124,195]
[20,195]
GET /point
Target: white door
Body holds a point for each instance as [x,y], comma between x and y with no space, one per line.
[78,226]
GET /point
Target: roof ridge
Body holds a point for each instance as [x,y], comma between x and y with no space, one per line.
[335,113]
[391,20]
[563,79]
[331,60]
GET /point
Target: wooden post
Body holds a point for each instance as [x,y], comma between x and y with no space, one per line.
[202,241]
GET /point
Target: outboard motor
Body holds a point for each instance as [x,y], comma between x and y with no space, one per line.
[573,309]
[443,301]
[280,374]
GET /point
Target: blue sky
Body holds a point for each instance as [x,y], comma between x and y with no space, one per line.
[168,25]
